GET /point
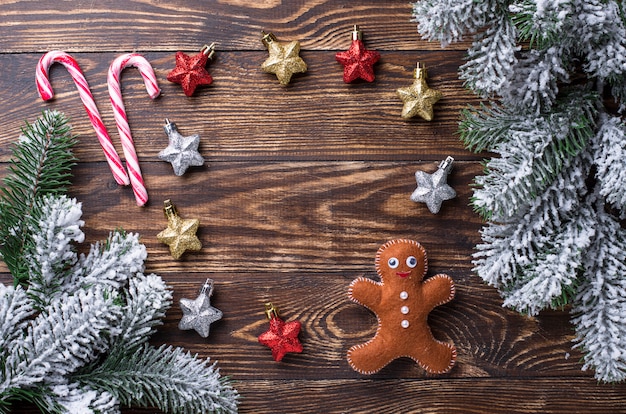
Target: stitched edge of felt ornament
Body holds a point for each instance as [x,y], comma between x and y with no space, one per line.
[443,371]
[449,345]
[397,241]
[421,364]
[378,271]
[452,287]
[358,346]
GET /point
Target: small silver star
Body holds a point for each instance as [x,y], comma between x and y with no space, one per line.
[198,314]
[182,152]
[433,189]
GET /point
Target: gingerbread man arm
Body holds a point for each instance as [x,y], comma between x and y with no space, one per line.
[365,292]
[437,290]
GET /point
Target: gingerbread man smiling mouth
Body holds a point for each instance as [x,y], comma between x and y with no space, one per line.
[403,274]
[402,304]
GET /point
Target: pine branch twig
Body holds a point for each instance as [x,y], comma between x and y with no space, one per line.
[41,164]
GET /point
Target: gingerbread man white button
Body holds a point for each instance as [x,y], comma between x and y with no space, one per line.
[404,295]
[404,310]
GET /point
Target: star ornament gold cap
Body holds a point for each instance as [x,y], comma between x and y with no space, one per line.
[180,234]
[208,50]
[284,59]
[419,98]
[271,311]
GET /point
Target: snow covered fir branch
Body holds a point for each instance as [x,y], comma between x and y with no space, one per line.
[74,329]
[555,190]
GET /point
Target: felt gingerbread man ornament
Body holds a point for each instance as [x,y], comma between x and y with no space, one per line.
[402,301]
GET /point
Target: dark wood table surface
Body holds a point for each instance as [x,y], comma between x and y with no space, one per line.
[300,187]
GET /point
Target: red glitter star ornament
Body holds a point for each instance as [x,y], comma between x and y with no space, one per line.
[282,337]
[190,72]
[358,62]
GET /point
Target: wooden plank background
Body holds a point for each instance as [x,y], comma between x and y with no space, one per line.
[300,187]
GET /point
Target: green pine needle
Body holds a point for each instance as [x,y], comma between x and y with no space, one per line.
[167,378]
[484,128]
[41,164]
[528,32]
[493,129]
[34,396]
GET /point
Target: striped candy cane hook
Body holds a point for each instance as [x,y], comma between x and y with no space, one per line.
[45,91]
[113,81]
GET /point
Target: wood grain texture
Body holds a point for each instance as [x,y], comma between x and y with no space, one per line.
[300,187]
[245,114]
[144,25]
[331,324]
[437,397]
[284,216]
[479,396]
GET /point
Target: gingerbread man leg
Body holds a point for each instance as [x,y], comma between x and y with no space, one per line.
[370,357]
[436,357]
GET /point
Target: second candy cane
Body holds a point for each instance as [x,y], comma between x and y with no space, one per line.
[119,111]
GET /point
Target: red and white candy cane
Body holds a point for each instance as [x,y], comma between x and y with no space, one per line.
[45,91]
[113,81]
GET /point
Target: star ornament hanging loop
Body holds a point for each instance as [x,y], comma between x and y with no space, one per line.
[282,337]
[198,314]
[284,59]
[433,189]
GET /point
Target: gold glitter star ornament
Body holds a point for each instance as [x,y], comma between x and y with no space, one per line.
[180,234]
[284,59]
[419,98]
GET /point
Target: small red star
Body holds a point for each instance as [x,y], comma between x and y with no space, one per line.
[282,338]
[358,62]
[190,72]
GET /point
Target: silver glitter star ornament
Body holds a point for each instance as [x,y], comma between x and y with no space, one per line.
[182,152]
[433,189]
[198,314]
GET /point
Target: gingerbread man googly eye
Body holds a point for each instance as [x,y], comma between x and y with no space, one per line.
[411,261]
[393,262]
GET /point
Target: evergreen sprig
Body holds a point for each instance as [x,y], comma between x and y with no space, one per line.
[600,306]
[41,164]
[36,396]
[554,191]
[485,127]
[67,335]
[610,156]
[539,34]
[494,51]
[167,378]
[85,317]
[532,153]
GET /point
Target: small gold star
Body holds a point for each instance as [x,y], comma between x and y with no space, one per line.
[180,234]
[284,60]
[419,98]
